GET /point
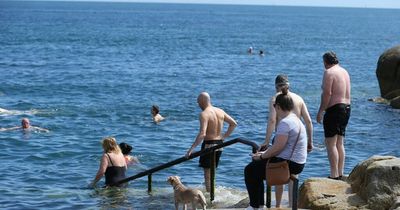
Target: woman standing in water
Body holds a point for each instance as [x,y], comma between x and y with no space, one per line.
[112,163]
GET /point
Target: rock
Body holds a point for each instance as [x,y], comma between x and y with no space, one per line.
[388,72]
[377,180]
[242,204]
[396,204]
[324,193]
[395,102]
[373,184]
[379,100]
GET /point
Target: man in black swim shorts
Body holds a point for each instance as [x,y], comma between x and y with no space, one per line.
[211,125]
[335,102]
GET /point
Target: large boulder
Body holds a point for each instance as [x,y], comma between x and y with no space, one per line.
[373,184]
[328,194]
[377,181]
[388,73]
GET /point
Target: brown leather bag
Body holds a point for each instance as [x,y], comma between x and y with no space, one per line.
[278,173]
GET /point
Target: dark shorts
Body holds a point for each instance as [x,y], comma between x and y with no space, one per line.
[205,160]
[335,120]
[294,168]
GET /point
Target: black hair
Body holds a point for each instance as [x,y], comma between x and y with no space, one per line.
[284,101]
[125,148]
[330,58]
[156,109]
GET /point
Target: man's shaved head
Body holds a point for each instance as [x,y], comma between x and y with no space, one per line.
[204,100]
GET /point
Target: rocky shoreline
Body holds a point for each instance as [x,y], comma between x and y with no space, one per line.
[374,184]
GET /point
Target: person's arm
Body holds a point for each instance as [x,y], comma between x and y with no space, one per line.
[325,95]
[271,122]
[200,136]
[232,125]
[40,129]
[274,150]
[101,171]
[309,127]
[10,129]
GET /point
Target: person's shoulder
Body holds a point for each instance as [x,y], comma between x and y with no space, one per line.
[296,97]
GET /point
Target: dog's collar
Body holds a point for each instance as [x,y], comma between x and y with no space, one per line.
[178,187]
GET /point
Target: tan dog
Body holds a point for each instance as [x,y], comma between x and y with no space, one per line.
[186,195]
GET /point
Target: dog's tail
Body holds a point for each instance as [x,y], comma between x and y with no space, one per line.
[202,200]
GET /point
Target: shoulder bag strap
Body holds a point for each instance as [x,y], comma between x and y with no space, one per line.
[297,140]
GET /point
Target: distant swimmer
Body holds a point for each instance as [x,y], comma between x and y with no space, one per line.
[155,113]
[250,50]
[25,126]
[261,53]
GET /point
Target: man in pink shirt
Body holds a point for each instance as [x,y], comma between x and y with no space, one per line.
[335,102]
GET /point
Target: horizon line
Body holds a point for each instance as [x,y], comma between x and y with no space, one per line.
[210,3]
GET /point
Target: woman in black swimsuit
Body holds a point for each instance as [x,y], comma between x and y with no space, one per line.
[112,163]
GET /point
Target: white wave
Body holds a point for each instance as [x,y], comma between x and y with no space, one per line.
[6,112]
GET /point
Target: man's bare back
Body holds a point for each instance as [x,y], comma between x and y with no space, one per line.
[215,121]
[337,83]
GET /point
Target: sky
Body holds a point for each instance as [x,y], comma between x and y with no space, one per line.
[395,4]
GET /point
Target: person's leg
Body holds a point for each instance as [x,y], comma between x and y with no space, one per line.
[333,155]
[207,181]
[254,183]
[278,195]
[341,154]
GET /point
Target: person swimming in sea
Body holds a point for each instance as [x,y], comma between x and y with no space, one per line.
[126,150]
[25,126]
[250,50]
[155,113]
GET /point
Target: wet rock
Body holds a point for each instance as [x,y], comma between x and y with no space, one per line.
[395,102]
[388,73]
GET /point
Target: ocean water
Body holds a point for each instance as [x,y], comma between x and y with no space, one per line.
[90,70]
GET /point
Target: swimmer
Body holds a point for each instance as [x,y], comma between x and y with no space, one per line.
[25,126]
[250,50]
[155,113]
[126,149]
[261,53]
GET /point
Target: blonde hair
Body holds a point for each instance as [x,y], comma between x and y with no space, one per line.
[110,145]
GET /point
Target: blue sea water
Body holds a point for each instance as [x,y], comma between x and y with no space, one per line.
[90,70]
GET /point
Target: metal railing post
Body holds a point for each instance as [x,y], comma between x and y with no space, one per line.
[149,180]
[212,176]
[268,196]
[295,193]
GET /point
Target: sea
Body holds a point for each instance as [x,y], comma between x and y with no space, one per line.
[87,70]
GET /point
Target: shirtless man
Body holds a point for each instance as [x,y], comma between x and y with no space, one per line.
[301,111]
[335,102]
[25,126]
[211,125]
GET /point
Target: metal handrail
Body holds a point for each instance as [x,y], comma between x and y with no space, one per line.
[184,159]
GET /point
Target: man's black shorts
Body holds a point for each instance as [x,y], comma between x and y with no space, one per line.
[205,160]
[335,120]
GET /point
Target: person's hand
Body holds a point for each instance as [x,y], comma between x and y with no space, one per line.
[257,155]
[188,153]
[309,147]
[319,117]
[263,147]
